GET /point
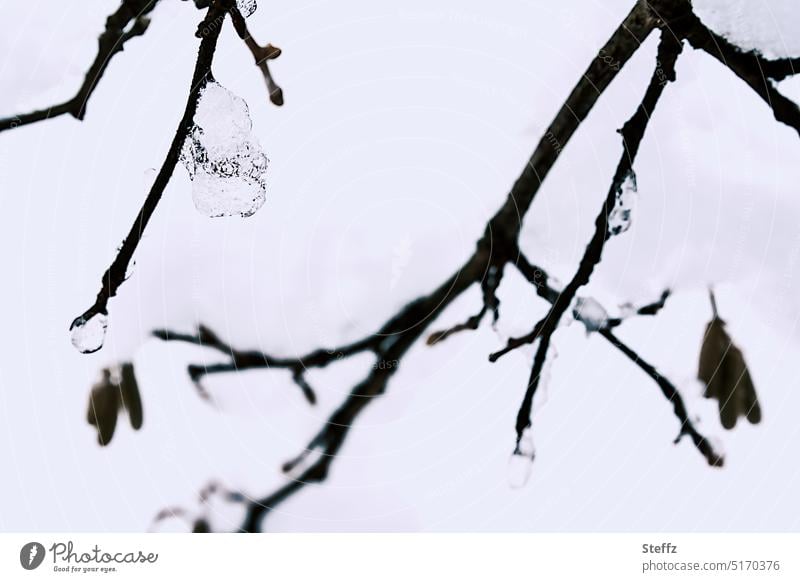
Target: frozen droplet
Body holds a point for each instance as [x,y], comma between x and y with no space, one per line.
[246,7]
[620,217]
[88,334]
[520,465]
[225,161]
[590,313]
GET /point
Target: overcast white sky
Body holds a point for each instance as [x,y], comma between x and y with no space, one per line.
[403,129]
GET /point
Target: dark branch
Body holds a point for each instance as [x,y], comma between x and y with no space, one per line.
[656,306]
[128,21]
[759,73]
[243,360]
[261,54]
[472,323]
[538,277]
[670,393]
[497,247]
[632,133]
[115,275]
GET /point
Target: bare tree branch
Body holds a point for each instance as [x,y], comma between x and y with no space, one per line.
[128,21]
[115,275]
[496,247]
[261,54]
[244,360]
[538,277]
[632,133]
[670,393]
[752,68]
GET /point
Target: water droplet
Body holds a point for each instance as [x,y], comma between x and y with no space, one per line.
[88,334]
[717,445]
[225,161]
[520,465]
[620,217]
[246,7]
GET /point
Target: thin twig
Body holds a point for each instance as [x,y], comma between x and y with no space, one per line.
[759,73]
[497,246]
[538,277]
[244,360]
[672,395]
[632,133]
[208,30]
[117,32]
[261,54]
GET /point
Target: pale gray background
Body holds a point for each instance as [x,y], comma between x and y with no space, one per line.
[403,129]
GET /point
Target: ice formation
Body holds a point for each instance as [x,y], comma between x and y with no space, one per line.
[225,161]
[88,335]
[520,465]
[590,313]
[619,219]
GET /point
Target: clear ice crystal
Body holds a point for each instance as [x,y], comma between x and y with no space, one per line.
[520,465]
[225,161]
[590,313]
[619,219]
[246,7]
[88,335]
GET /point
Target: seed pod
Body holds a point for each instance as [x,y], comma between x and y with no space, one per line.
[104,403]
[131,399]
[724,372]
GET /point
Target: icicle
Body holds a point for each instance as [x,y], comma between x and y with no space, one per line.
[520,465]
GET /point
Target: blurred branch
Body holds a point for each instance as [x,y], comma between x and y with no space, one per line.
[244,360]
[128,21]
[538,277]
[497,247]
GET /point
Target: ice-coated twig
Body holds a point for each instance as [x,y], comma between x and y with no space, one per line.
[497,247]
[129,20]
[632,133]
[208,30]
[538,277]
